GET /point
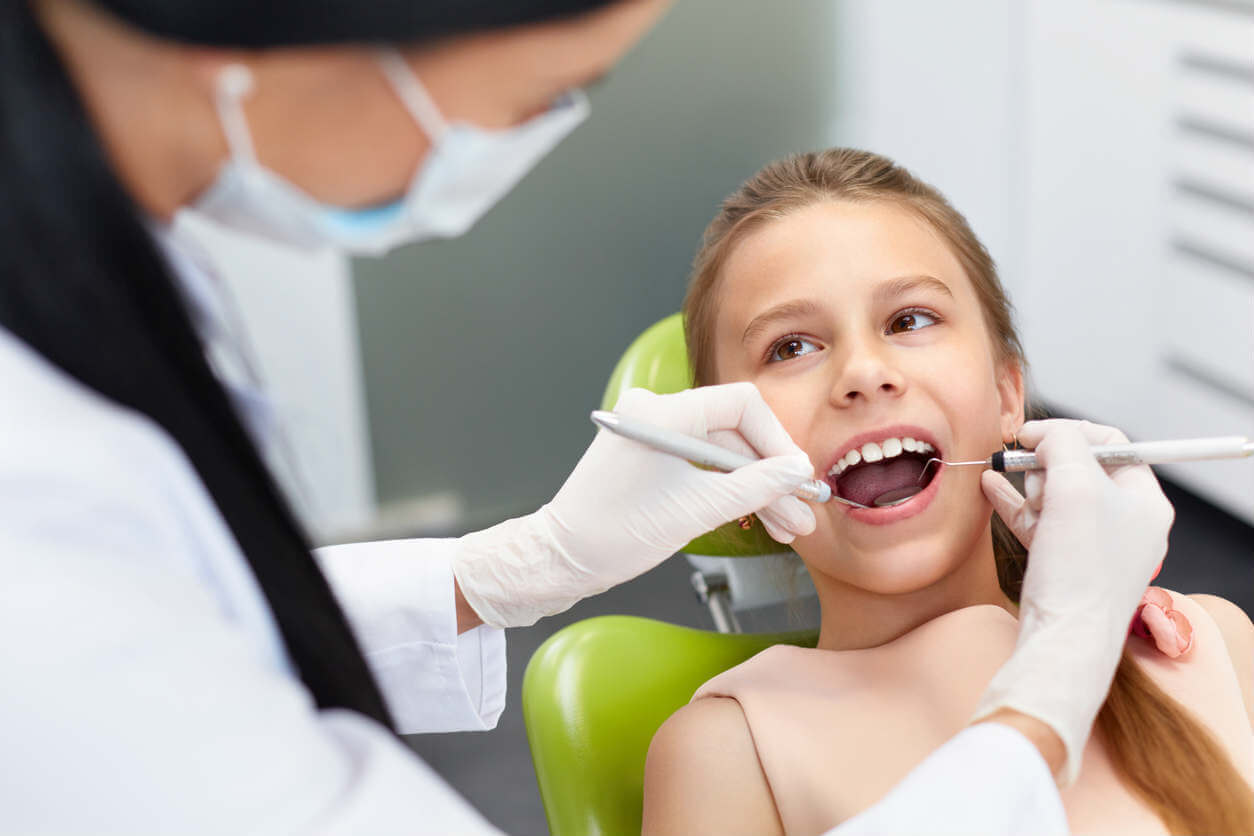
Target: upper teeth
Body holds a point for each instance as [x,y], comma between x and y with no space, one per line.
[872,452]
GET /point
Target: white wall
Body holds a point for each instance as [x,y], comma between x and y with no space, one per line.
[933,86]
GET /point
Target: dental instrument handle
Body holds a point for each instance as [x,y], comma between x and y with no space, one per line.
[694,450]
[1140,452]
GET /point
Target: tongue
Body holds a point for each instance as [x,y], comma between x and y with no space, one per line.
[867,482]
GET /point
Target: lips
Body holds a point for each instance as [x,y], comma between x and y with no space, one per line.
[884,516]
[885,464]
[883,481]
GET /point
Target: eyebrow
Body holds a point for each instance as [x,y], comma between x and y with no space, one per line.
[899,287]
[804,307]
[784,310]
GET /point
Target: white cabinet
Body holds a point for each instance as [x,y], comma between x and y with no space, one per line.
[1137,298]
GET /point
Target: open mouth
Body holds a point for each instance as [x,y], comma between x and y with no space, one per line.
[884,473]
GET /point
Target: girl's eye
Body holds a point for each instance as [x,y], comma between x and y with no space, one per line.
[790,348]
[912,320]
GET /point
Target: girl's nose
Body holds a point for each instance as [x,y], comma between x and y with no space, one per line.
[867,375]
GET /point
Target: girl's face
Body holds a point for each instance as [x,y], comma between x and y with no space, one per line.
[859,326]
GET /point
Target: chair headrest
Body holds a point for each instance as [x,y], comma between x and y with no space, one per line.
[657,360]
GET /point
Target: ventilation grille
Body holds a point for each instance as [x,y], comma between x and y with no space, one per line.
[1211,218]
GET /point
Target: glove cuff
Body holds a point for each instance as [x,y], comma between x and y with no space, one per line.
[515,573]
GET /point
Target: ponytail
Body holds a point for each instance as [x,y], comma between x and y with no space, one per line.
[1162,754]
[1170,760]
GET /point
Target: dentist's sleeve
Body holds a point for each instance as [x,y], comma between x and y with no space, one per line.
[986,781]
[398,596]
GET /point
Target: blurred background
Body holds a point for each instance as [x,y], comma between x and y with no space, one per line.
[1102,149]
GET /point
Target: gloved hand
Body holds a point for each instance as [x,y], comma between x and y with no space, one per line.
[1155,619]
[627,507]
[1096,538]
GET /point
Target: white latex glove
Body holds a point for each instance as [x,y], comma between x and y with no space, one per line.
[627,507]
[1096,538]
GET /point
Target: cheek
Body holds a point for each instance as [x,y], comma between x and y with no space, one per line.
[793,403]
[967,392]
[981,413]
[972,403]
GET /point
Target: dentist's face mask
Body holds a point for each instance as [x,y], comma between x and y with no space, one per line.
[466,171]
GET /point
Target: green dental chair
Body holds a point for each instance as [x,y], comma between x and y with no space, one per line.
[596,691]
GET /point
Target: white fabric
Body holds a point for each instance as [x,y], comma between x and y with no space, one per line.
[611,521]
[230,353]
[398,595]
[146,688]
[394,593]
[986,781]
[1094,539]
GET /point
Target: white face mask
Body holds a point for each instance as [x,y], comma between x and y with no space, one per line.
[466,171]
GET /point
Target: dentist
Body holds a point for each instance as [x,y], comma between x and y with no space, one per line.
[175,658]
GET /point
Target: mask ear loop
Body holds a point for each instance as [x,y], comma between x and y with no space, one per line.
[234,83]
[413,95]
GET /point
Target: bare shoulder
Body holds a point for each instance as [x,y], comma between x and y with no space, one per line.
[986,626]
[702,775]
[1238,635]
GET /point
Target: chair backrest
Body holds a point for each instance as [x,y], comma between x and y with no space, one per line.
[593,696]
[596,691]
[657,360]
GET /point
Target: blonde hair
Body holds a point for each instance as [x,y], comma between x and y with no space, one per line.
[1161,752]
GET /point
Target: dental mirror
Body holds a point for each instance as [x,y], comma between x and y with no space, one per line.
[895,497]
[885,500]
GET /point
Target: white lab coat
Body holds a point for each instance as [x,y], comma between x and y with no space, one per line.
[146,688]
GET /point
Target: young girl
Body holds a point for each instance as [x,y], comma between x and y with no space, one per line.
[872,321]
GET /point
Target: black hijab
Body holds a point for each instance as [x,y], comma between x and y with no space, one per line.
[248,23]
[82,283]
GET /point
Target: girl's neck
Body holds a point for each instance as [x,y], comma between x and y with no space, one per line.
[855,618]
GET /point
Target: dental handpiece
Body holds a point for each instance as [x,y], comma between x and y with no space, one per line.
[694,450]
[1139,452]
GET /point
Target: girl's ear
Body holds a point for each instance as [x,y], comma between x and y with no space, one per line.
[1010,392]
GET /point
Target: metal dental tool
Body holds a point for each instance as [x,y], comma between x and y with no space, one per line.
[1117,455]
[719,458]
[1003,461]
[1107,455]
[697,451]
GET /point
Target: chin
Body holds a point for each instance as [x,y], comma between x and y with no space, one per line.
[896,570]
[903,558]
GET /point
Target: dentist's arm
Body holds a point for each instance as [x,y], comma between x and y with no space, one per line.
[1036,732]
[467,618]
[1097,538]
